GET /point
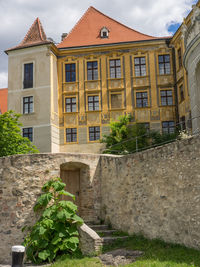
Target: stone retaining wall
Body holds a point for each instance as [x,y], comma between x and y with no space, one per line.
[21,179]
[155,192]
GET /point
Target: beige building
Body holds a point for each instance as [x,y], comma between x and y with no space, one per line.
[67,94]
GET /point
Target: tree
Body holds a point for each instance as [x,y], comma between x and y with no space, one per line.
[11,140]
[126,138]
[55,233]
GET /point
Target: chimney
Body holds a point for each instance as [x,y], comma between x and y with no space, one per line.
[63,36]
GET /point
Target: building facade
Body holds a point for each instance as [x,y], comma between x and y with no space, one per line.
[68,93]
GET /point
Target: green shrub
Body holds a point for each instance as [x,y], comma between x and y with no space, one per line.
[55,233]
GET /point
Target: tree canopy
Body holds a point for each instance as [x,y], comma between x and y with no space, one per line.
[126,138]
[11,140]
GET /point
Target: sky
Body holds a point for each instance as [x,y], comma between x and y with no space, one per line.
[152,17]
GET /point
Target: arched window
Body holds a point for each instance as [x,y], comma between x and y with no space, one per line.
[104,32]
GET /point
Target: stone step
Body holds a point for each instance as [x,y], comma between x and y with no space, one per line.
[99,227]
[106,232]
[110,239]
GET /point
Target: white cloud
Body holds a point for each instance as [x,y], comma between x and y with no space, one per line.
[3,80]
[150,17]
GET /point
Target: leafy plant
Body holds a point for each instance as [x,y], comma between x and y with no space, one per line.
[126,138]
[55,233]
[11,140]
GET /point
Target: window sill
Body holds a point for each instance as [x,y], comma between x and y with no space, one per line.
[165,74]
[70,143]
[116,109]
[95,141]
[88,111]
[73,112]
[92,81]
[140,77]
[70,82]
[115,79]
[25,114]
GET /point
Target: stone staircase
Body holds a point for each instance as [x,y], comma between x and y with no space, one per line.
[107,235]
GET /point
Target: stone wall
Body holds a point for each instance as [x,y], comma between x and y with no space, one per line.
[21,179]
[155,192]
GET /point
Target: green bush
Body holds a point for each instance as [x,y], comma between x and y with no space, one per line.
[126,138]
[11,140]
[55,233]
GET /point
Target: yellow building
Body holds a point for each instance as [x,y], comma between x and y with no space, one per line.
[102,69]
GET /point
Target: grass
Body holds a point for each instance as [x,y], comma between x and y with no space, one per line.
[156,254]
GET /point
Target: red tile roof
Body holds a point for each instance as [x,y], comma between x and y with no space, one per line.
[35,36]
[3,100]
[87,31]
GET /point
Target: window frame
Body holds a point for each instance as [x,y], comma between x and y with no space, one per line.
[140,65]
[71,104]
[166,97]
[95,132]
[142,99]
[73,135]
[30,111]
[93,102]
[92,70]
[163,63]
[32,134]
[71,72]
[168,128]
[102,31]
[179,55]
[181,93]
[115,67]
[31,82]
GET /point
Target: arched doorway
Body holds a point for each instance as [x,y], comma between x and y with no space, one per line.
[76,176]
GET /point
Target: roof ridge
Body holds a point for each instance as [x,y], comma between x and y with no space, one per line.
[93,8]
[39,27]
[35,36]
[27,34]
[120,22]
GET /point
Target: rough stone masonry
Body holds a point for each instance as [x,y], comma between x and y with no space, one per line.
[155,192]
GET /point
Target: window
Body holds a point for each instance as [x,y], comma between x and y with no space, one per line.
[140,66]
[70,72]
[94,133]
[116,100]
[181,93]
[166,97]
[164,64]
[27,105]
[28,75]
[93,102]
[141,99]
[168,127]
[71,134]
[92,70]
[70,104]
[28,132]
[115,68]
[104,32]
[179,58]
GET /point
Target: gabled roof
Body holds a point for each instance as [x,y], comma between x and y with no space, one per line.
[87,31]
[35,36]
[3,100]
